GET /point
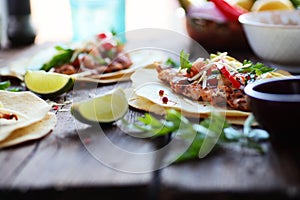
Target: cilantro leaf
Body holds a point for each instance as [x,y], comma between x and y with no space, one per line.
[63,56]
[4,85]
[184,61]
[155,126]
[296,3]
[171,63]
[257,69]
[203,137]
[208,135]
[248,137]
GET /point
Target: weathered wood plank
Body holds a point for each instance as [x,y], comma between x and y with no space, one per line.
[12,161]
[77,161]
[68,157]
[229,173]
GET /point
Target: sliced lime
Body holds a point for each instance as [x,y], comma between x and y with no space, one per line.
[264,5]
[106,108]
[48,84]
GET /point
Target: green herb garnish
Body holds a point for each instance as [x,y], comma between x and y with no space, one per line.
[210,133]
[296,3]
[170,62]
[63,56]
[184,61]
[113,32]
[257,69]
[4,85]
[247,137]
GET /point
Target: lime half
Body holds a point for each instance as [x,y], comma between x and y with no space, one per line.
[263,5]
[48,84]
[106,108]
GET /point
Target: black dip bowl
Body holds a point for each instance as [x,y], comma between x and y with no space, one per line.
[275,103]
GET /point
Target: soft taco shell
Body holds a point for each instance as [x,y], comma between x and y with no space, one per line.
[121,76]
[140,59]
[32,132]
[28,107]
[141,103]
[145,96]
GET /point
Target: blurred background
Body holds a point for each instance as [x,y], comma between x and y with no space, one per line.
[211,23]
[52,18]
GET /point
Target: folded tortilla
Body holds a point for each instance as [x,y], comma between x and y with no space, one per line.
[34,131]
[28,107]
[140,58]
[145,96]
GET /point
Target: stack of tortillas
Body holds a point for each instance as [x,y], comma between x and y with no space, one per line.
[33,119]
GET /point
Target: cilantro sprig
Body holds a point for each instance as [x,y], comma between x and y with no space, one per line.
[204,137]
[170,62]
[296,3]
[184,61]
[257,68]
[63,56]
[6,85]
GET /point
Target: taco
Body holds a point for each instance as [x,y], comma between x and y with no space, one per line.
[201,87]
[21,114]
[33,131]
[103,59]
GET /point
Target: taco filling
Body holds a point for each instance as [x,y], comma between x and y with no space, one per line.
[219,80]
[8,116]
[104,54]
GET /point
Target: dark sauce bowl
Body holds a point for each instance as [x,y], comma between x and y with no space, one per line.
[215,36]
[275,103]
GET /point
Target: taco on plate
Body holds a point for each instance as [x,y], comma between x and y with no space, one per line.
[201,87]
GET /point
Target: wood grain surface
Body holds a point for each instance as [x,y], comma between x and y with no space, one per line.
[75,161]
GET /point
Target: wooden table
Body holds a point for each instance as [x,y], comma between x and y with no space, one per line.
[66,165]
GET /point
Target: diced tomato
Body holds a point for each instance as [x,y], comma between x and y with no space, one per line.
[102,35]
[108,46]
[161,93]
[55,107]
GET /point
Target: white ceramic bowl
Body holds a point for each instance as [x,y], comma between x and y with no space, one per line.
[274,35]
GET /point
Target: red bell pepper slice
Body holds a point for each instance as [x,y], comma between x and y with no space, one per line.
[231,12]
[235,83]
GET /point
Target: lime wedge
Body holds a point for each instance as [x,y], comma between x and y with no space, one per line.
[48,84]
[246,4]
[106,108]
[264,5]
